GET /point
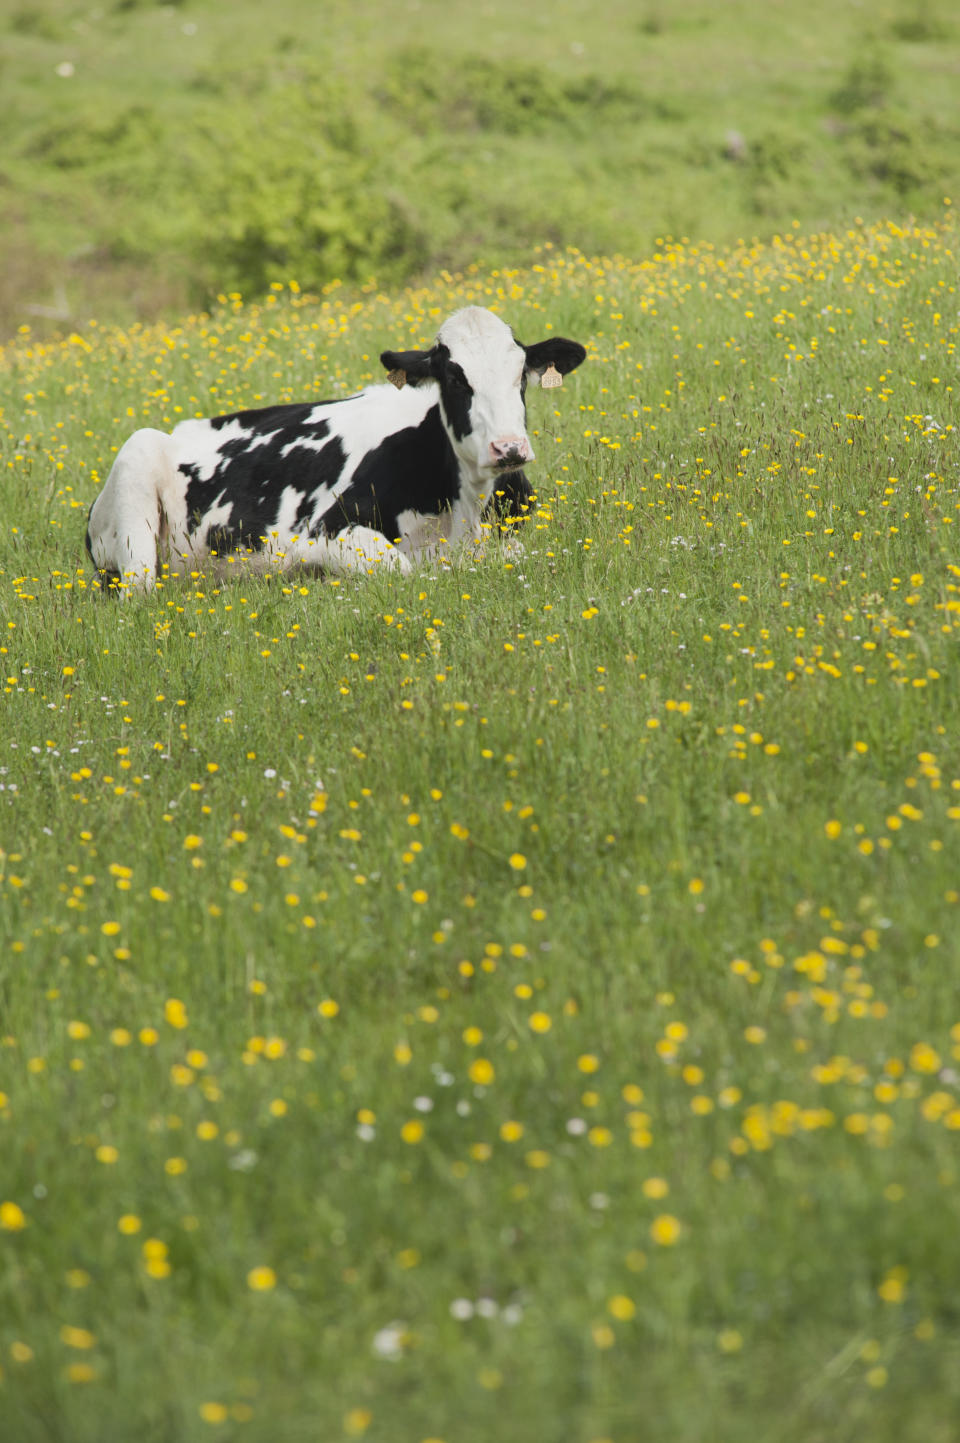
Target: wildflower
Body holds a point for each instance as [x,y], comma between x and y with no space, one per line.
[261,1279]
[80,1373]
[213,1412]
[12,1217]
[924,1058]
[77,1337]
[481,1072]
[175,1013]
[665,1230]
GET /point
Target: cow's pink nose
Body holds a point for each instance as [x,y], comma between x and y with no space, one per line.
[510,451]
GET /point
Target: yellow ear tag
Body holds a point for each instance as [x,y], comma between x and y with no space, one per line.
[397,378]
[551,378]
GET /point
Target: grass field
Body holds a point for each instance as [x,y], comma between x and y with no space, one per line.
[518,1000]
[157,154]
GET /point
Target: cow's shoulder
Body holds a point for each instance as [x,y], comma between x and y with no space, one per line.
[411,469]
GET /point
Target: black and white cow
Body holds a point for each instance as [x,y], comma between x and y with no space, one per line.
[388,475]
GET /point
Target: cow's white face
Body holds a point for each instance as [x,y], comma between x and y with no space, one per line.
[482,373]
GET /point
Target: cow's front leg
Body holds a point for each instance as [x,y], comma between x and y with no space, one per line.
[360,548]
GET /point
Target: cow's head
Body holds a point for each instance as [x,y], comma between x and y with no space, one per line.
[483,373]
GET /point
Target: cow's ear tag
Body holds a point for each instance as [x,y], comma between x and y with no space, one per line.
[397,378]
[551,378]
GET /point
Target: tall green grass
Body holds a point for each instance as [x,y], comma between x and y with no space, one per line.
[519,998]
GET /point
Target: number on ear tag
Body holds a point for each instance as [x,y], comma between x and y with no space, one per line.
[551,378]
[397,378]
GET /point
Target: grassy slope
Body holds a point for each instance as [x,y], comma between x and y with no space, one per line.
[712,714]
[193,151]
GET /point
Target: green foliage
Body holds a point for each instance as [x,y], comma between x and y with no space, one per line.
[866,84]
[159,152]
[503,95]
[922,22]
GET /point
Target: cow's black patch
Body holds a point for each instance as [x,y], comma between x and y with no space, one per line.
[293,418]
[511,495]
[279,450]
[413,470]
[456,395]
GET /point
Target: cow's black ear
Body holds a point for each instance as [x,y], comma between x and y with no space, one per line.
[415,365]
[562,354]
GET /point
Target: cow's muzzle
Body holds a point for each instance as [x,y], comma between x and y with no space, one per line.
[510,452]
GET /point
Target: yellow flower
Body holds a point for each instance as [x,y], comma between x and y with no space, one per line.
[518,861]
[12,1217]
[77,1337]
[655,1187]
[540,1022]
[328,1008]
[481,1072]
[412,1131]
[213,1412]
[175,1012]
[665,1230]
[80,1373]
[511,1131]
[129,1223]
[621,1307]
[261,1279]
[924,1058]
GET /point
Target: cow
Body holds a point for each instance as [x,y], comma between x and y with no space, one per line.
[390,475]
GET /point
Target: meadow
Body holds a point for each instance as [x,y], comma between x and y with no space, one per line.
[154,155]
[518,999]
